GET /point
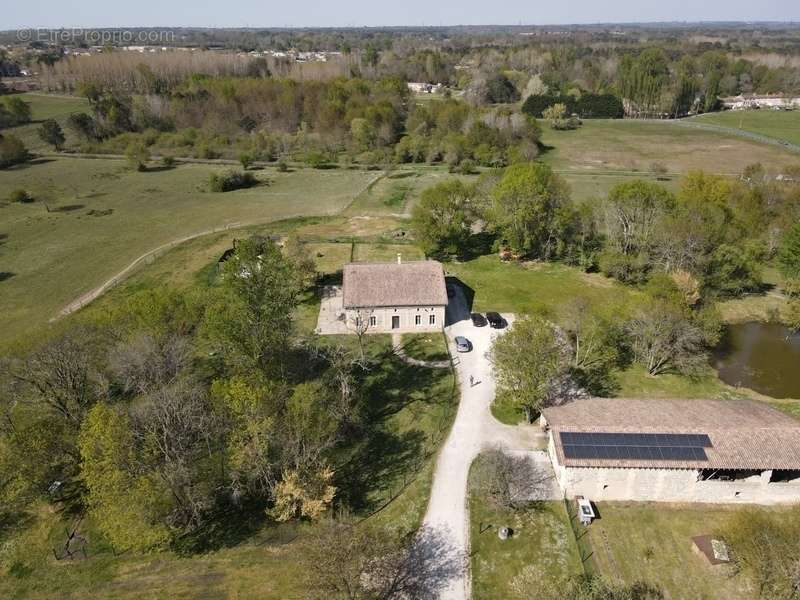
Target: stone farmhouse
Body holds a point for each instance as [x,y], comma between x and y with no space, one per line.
[396,297]
[725,451]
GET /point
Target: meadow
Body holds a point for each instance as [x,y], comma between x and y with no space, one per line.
[92,218]
[631,147]
[776,124]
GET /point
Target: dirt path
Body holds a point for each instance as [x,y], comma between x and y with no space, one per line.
[95,293]
[473,430]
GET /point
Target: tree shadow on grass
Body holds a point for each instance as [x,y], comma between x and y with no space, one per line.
[387,457]
[6,275]
[66,208]
[227,527]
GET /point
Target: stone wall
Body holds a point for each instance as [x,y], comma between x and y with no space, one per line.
[407,317]
[668,485]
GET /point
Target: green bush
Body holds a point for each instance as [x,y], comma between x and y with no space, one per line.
[231,180]
[282,166]
[12,151]
[21,196]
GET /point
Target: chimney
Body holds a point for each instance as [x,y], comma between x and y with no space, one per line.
[399,259]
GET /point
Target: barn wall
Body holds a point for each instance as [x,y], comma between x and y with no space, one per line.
[668,485]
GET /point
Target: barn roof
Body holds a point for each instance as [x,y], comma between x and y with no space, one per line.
[744,434]
[373,285]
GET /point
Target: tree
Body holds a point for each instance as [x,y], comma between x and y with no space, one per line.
[532,366]
[554,112]
[765,547]
[126,503]
[662,339]
[594,344]
[298,255]
[303,494]
[250,319]
[631,213]
[12,151]
[524,206]
[83,125]
[789,253]
[442,219]
[359,562]
[137,155]
[506,480]
[245,159]
[500,90]
[732,271]
[51,133]
[19,111]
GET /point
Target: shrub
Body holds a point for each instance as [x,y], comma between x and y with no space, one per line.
[168,161]
[137,155]
[246,159]
[21,196]
[231,180]
[12,151]
[282,166]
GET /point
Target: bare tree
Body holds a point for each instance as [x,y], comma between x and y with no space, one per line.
[509,481]
[146,362]
[359,323]
[358,562]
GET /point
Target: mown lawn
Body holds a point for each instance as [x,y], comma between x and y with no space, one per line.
[426,346]
[543,288]
[629,145]
[102,216]
[652,542]
[777,124]
[540,549]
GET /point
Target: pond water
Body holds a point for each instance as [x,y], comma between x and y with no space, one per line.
[764,357]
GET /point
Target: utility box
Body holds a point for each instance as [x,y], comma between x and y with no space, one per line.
[585,510]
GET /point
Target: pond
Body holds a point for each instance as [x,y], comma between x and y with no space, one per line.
[764,357]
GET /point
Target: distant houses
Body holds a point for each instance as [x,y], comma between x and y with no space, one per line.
[724,451]
[752,101]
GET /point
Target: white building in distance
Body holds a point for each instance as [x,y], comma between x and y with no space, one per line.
[724,451]
[399,297]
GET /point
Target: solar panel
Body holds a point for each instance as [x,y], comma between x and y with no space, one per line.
[635,446]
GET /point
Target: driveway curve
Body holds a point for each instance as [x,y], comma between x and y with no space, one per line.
[473,430]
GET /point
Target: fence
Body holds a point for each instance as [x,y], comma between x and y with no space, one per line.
[579,533]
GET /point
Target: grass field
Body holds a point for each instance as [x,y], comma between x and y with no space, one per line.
[652,542]
[779,125]
[48,106]
[602,146]
[103,216]
[397,191]
[540,549]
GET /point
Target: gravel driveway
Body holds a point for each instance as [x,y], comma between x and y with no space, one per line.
[474,429]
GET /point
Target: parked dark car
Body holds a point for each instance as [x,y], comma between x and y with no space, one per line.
[463,344]
[495,320]
[478,320]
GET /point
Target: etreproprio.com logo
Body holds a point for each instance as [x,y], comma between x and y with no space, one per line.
[97,37]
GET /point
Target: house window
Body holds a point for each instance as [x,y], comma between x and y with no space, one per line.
[432,319]
[418,320]
[373,321]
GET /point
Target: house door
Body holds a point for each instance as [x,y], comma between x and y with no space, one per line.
[395,322]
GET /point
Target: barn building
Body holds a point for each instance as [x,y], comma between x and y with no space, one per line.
[398,297]
[725,451]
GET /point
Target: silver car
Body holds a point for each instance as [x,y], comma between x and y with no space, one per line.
[463,344]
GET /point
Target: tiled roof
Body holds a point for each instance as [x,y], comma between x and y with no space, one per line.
[372,285]
[744,434]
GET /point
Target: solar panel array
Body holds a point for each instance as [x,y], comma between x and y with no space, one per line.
[635,446]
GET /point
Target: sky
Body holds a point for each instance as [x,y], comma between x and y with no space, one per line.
[358,13]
